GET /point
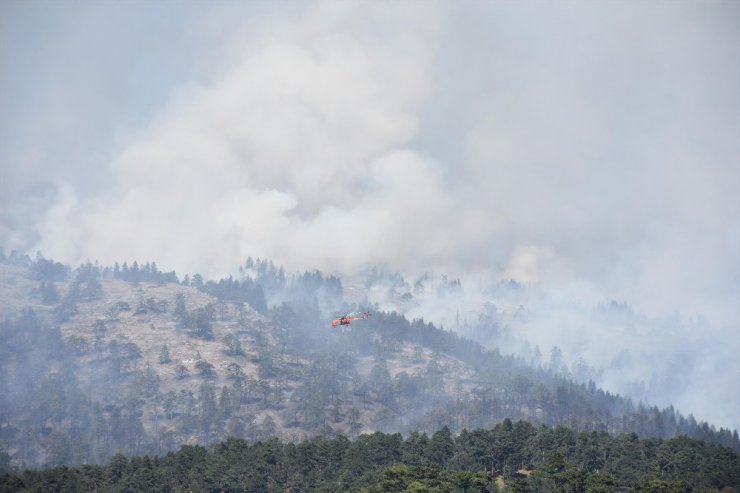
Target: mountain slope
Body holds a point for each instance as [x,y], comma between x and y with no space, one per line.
[106,360]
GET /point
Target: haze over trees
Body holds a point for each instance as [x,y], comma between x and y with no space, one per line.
[145,364]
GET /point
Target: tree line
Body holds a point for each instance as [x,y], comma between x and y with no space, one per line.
[511,456]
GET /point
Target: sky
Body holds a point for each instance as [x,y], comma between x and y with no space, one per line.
[588,150]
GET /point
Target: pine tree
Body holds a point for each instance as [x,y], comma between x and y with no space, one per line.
[164,354]
[49,293]
[181,313]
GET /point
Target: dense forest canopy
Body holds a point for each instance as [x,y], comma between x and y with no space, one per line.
[516,457]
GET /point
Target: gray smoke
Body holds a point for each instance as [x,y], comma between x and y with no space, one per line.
[588,151]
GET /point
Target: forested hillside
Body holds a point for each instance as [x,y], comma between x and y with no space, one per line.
[127,359]
[516,457]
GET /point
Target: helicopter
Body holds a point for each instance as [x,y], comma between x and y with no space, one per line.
[349,318]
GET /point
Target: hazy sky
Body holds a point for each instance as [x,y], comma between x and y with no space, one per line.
[560,144]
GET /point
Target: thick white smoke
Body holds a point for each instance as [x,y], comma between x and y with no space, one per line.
[299,151]
[587,150]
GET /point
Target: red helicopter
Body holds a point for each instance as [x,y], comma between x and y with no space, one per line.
[349,318]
